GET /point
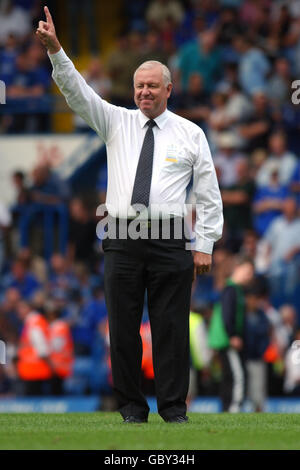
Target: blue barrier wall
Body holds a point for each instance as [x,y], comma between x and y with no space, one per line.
[92,403]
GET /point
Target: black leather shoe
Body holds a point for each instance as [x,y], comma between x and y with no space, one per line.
[177,419]
[135,419]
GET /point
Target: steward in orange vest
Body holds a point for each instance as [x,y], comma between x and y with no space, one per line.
[33,364]
[61,348]
[147,363]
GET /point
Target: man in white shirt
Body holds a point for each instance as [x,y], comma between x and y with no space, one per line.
[152,155]
[283,246]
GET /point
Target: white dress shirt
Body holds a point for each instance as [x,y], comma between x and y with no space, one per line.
[180,152]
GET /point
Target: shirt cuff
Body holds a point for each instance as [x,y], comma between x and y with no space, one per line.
[58,57]
[204,246]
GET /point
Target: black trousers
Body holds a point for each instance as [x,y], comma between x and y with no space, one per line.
[232,389]
[163,268]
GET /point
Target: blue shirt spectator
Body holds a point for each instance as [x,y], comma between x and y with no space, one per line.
[84,331]
[61,277]
[253,66]
[267,203]
[295,183]
[8,59]
[22,280]
[203,57]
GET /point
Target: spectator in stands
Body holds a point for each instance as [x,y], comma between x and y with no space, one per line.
[284,248]
[291,123]
[279,84]
[33,360]
[32,6]
[10,323]
[21,279]
[5,223]
[135,14]
[22,193]
[193,104]
[13,20]
[279,159]
[229,26]
[201,56]
[35,264]
[249,11]
[153,48]
[8,58]
[48,194]
[257,338]
[223,262]
[294,183]
[267,202]
[256,128]
[84,279]
[120,66]
[217,120]
[85,11]
[30,82]
[237,200]
[237,108]
[60,347]
[257,158]
[61,276]
[161,10]
[249,245]
[226,159]
[90,317]
[82,232]
[281,25]
[253,65]
[229,77]
[65,303]
[38,301]
[47,187]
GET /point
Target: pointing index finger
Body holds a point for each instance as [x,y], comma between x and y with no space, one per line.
[48,15]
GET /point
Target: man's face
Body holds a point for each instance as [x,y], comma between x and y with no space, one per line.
[150,92]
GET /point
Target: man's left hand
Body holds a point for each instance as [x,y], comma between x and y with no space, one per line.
[202,263]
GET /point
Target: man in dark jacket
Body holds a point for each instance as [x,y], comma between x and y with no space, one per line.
[227,335]
[257,339]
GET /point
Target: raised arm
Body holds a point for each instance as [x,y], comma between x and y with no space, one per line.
[47,34]
[101,116]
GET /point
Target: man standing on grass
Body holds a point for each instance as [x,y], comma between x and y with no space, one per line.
[152,155]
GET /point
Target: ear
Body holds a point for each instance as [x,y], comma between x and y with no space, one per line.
[169,89]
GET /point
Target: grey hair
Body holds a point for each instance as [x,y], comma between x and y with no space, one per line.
[149,64]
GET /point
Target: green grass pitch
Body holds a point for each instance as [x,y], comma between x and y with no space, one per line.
[101,430]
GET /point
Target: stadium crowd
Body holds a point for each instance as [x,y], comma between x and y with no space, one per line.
[234,65]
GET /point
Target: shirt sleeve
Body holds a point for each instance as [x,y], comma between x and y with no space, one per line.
[82,99]
[209,207]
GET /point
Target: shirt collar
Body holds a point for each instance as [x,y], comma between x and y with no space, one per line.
[159,120]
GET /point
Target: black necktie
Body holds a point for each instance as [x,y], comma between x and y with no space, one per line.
[142,183]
